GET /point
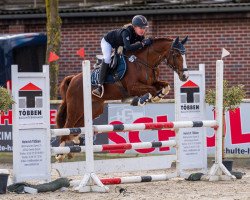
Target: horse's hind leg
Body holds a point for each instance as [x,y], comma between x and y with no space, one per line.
[73,119]
[76,119]
[70,140]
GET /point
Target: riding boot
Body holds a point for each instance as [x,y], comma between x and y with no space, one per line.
[100,89]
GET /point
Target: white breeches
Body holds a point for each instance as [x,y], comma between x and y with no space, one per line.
[106,51]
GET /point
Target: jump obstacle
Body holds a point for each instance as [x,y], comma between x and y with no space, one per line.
[138,163]
[91,182]
[123,128]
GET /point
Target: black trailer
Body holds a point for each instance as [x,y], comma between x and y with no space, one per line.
[27,50]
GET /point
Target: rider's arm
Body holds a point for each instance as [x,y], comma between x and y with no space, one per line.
[127,45]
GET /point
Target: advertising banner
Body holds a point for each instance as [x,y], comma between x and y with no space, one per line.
[31,125]
[237,139]
[190,106]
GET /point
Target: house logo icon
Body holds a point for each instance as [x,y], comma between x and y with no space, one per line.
[190,92]
[30,96]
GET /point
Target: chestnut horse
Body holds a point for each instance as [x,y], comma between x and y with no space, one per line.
[140,81]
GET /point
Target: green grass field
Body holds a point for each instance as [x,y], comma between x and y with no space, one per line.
[7,157]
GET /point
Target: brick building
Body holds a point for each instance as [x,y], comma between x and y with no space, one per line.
[210,26]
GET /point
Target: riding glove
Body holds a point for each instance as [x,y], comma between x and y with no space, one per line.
[147,42]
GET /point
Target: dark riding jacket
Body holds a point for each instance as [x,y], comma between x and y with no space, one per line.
[125,37]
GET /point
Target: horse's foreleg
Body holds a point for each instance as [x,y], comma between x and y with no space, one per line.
[160,94]
[160,84]
[163,89]
[142,100]
[143,93]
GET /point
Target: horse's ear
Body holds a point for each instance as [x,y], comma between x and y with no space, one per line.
[184,40]
[176,41]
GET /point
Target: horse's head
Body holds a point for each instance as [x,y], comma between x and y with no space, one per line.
[165,49]
[177,60]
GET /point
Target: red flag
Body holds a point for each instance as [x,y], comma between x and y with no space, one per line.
[81,52]
[53,57]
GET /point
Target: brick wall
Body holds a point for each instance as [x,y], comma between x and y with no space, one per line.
[207,36]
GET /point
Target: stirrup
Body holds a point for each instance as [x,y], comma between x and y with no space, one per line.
[96,92]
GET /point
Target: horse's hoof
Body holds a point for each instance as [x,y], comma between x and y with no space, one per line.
[135,101]
[144,99]
[166,90]
[60,157]
[141,104]
[155,99]
[76,141]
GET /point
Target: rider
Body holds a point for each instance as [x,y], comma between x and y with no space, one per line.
[131,37]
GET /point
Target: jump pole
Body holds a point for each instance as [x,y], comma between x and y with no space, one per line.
[136,127]
[218,171]
[90,181]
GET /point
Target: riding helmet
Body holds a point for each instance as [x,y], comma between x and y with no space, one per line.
[140,21]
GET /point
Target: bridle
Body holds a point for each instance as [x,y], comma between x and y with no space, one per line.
[174,52]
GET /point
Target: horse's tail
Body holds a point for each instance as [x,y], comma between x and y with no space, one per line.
[62,111]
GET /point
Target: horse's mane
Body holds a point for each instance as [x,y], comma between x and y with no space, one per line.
[155,39]
[160,39]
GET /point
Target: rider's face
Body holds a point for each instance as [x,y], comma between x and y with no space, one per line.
[139,31]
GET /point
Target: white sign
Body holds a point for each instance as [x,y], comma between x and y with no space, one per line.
[190,98]
[31,125]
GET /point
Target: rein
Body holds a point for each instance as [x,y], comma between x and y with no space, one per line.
[162,57]
[141,62]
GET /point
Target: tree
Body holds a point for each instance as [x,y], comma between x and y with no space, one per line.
[53,43]
[232,97]
[5,100]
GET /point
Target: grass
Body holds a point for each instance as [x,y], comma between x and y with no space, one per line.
[7,157]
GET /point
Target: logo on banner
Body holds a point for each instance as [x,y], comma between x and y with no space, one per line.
[190,97]
[30,102]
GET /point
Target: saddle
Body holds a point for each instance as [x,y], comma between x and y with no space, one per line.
[116,72]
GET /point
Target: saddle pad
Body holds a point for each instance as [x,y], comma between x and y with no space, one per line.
[120,70]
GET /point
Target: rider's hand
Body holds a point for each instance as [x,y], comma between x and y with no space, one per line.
[147,42]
